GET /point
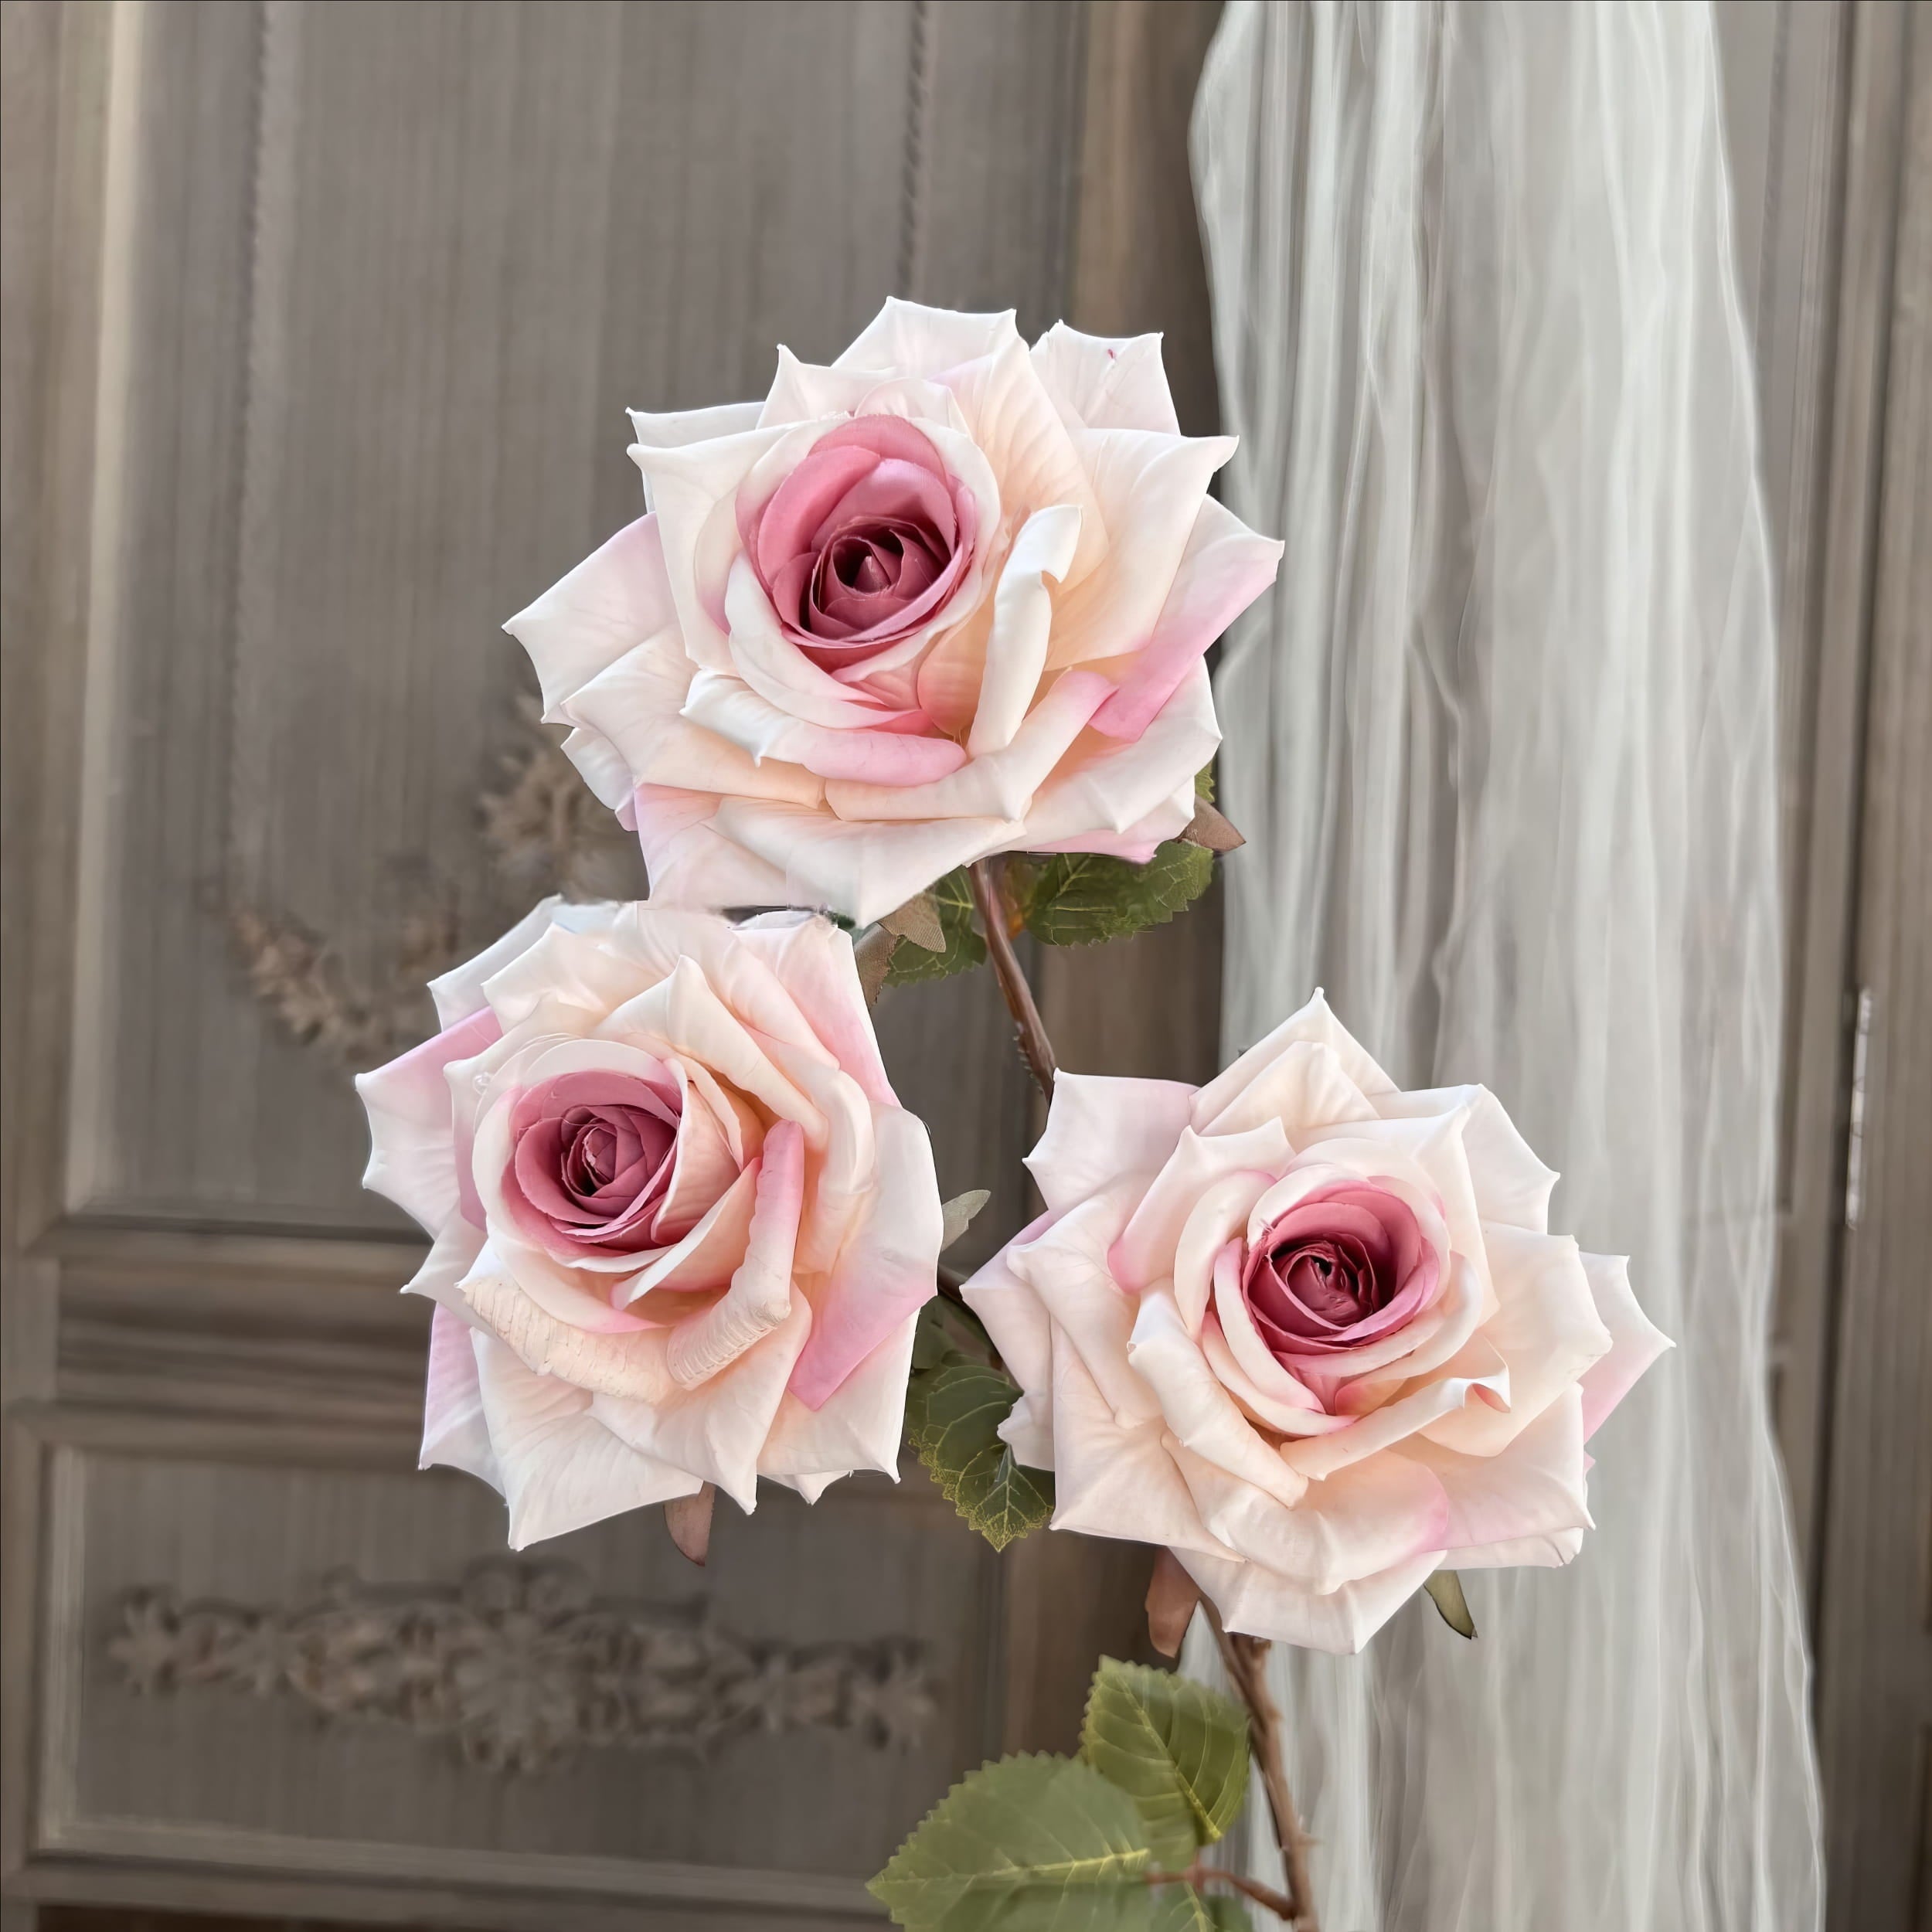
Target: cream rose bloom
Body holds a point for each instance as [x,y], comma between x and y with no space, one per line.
[1309,1332]
[948,597]
[681,1226]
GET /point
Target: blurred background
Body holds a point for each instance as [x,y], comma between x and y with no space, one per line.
[319,323]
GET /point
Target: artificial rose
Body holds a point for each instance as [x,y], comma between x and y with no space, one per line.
[949,596]
[681,1227]
[1311,1332]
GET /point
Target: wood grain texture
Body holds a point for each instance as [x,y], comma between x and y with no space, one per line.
[1875,1709]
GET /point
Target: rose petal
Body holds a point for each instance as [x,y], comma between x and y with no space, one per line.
[456,1434]
[1100,1127]
[1146,1249]
[411,1156]
[1635,1343]
[1104,383]
[1261,1603]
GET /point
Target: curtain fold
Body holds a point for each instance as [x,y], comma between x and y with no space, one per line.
[1501,743]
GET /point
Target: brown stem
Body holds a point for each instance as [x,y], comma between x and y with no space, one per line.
[1245,1658]
[1245,1661]
[1197,1874]
[989,895]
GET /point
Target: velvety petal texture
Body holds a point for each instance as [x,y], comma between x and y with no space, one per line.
[946,598]
[1311,1332]
[681,1226]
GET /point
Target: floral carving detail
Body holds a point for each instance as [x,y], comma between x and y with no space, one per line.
[522,1668]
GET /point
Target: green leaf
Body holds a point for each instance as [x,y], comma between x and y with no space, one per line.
[1179,1908]
[1204,782]
[953,1414]
[1080,899]
[953,900]
[1178,1749]
[1024,1845]
[1445,1592]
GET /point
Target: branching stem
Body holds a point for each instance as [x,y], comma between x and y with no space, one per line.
[989,894]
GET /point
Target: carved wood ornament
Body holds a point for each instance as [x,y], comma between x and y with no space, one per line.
[522,1668]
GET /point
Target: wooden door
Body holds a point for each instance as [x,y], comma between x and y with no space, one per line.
[320,322]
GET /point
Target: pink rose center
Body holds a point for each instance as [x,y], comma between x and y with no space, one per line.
[592,1158]
[1346,1267]
[863,542]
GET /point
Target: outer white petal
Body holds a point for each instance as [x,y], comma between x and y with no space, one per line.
[863,870]
[1100,1127]
[859,1426]
[560,1467]
[676,428]
[719,1429]
[1144,788]
[1512,1187]
[1545,1329]
[1306,1085]
[1635,1343]
[907,338]
[814,960]
[1016,1318]
[1530,1490]
[456,1434]
[1312,1022]
[1103,382]
[411,1157]
[459,992]
[692,862]
[1112,1479]
[618,596]
[1022,621]
[1361,1521]
[1261,1603]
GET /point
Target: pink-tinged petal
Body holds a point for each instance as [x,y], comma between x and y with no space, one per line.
[1431,1341]
[1635,1343]
[690,862]
[1512,1187]
[1545,1327]
[1313,1023]
[890,1268]
[1112,1477]
[908,338]
[1483,1379]
[704,1258]
[858,1427]
[1150,490]
[1361,1521]
[1290,1409]
[717,1429]
[1225,567]
[1531,1489]
[814,962]
[1022,620]
[671,429]
[863,870]
[761,734]
[1100,1127]
[1016,1319]
[1036,460]
[761,1293]
[456,1434]
[762,657]
[570,977]
[1146,788]
[618,596]
[642,706]
[412,1158]
[693,487]
[1103,382]
[807,392]
[1306,1085]
[1260,1603]
[1146,1249]
[1199,1412]
[1067,1266]
[561,1469]
[1001,784]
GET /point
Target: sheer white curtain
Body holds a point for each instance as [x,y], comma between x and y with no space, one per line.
[1501,744]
